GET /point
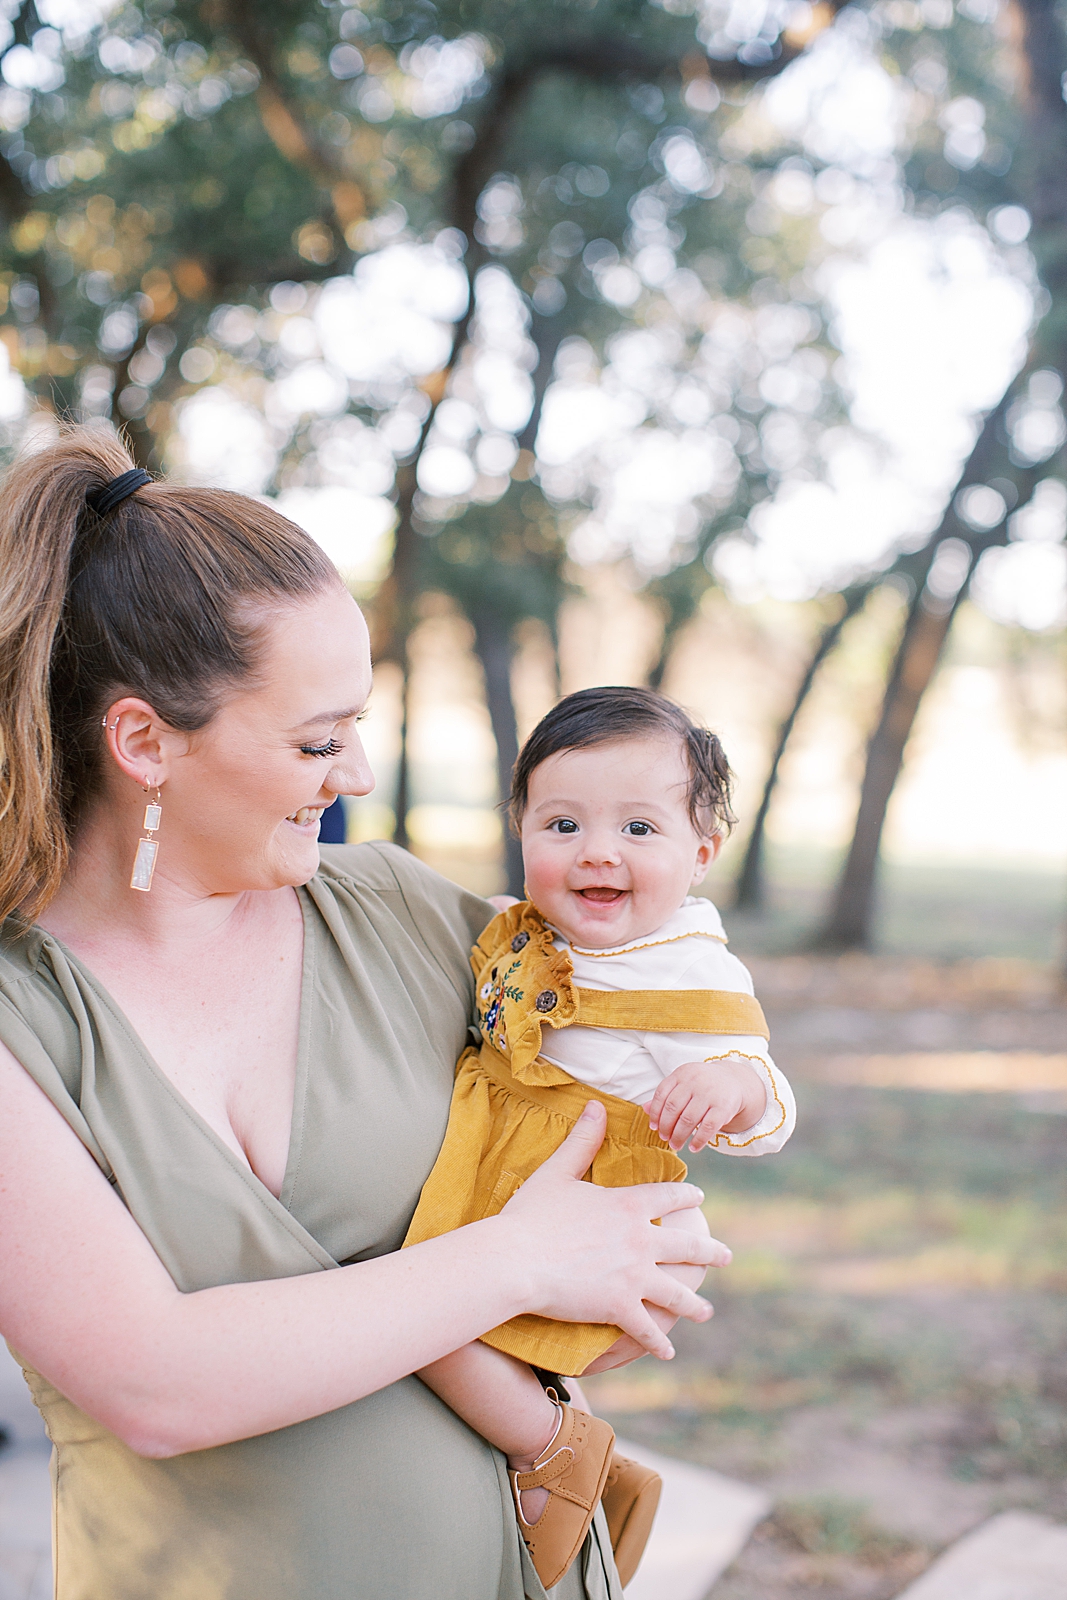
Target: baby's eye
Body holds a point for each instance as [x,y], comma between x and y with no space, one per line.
[564,825]
[638,830]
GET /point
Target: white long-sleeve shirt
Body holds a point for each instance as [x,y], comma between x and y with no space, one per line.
[687,952]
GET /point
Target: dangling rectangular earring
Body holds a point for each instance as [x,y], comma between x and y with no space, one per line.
[144,862]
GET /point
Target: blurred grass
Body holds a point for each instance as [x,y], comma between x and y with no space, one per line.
[905,1253]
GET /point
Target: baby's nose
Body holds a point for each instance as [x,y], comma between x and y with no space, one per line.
[601,852]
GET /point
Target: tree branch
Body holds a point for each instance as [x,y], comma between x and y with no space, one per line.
[284,124]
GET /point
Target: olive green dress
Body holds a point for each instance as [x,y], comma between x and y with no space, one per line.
[392,1498]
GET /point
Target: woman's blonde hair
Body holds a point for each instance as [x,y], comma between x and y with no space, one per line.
[156,598]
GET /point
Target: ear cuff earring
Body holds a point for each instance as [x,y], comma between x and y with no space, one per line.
[144,862]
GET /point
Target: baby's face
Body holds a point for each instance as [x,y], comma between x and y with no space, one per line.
[608,847]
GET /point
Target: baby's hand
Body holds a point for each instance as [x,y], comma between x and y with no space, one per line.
[702,1098]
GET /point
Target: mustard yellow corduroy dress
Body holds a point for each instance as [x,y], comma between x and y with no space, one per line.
[511,1108]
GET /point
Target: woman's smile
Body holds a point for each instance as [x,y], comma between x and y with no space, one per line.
[307,816]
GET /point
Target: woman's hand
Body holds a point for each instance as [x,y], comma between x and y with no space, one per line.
[595,1254]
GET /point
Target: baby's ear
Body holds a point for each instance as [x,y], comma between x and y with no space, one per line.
[707,851]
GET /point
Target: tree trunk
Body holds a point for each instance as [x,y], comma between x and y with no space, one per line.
[925,631]
[1044,55]
[403,767]
[493,643]
[750,890]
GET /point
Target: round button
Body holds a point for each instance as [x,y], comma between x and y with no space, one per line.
[520,941]
[546,1000]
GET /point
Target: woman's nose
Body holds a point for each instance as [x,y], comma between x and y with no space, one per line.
[351,775]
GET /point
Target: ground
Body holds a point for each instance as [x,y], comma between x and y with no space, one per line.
[889,1352]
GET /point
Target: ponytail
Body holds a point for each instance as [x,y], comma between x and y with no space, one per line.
[144,600]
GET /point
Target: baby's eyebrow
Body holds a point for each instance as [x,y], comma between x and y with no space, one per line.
[629,807]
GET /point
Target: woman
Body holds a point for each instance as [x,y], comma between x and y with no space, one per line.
[225,1074]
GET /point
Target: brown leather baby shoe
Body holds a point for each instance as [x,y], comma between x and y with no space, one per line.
[573,1468]
[631,1495]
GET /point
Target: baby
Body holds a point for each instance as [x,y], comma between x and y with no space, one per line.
[609,982]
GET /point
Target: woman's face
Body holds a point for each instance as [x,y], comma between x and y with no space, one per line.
[243,798]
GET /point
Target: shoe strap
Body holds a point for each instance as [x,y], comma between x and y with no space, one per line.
[543,1475]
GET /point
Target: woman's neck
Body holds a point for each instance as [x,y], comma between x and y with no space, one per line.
[95,903]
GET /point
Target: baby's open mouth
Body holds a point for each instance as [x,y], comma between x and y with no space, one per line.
[602,896]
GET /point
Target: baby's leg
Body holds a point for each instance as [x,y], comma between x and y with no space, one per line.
[501,1399]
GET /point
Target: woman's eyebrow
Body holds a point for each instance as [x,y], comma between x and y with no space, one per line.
[325,719]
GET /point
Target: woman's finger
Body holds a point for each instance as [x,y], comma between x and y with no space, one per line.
[676,1299]
[660,1199]
[678,1247]
[640,1326]
[575,1155]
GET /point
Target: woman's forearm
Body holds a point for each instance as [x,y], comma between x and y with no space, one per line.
[203,1369]
[85,1299]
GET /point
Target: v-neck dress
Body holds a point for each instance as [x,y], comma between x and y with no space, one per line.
[393,1497]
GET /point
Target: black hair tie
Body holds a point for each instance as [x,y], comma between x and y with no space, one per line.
[106,499]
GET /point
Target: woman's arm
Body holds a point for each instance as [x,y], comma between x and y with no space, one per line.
[85,1299]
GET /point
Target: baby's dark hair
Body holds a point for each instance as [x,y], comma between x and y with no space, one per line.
[602,716]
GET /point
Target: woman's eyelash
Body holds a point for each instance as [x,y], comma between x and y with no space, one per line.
[330,748]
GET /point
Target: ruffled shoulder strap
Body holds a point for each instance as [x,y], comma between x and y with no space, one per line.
[522,982]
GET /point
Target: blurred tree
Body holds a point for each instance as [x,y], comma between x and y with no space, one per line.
[176,178]
[1003,469]
[576,208]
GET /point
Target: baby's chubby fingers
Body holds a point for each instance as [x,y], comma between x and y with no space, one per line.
[654,1107]
[689,1119]
[706,1130]
[673,1105]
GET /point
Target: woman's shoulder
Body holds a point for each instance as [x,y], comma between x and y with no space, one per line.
[442,916]
[379,867]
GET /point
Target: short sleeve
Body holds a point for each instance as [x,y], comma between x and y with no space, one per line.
[444,918]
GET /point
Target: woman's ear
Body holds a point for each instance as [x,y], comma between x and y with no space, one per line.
[707,851]
[140,743]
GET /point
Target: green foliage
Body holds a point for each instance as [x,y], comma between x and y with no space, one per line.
[503,558]
[177,158]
